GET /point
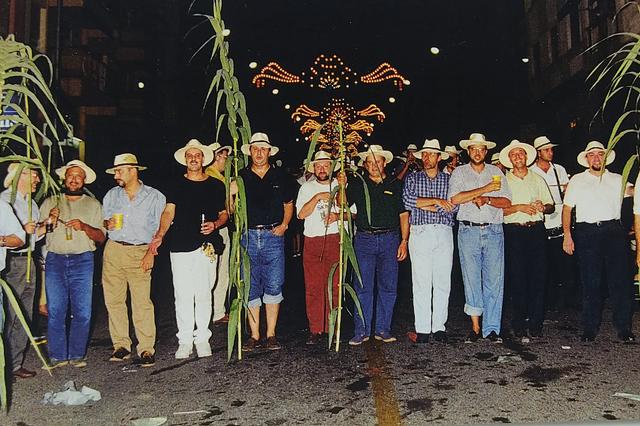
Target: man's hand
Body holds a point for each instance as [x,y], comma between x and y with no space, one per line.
[402,251]
[30,227]
[76,224]
[322,196]
[492,186]
[155,243]
[567,244]
[233,188]
[207,228]
[147,261]
[529,209]
[539,206]
[479,201]
[279,230]
[330,218]
[341,177]
[110,224]
[445,205]
[54,214]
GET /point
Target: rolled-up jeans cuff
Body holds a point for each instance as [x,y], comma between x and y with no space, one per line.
[270,299]
[472,310]
[255,303]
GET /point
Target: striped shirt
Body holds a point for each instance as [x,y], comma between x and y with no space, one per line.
[420,185]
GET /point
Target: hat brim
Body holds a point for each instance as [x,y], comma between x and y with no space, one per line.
[11,175]
[582,158]
[179,155]
[465,144]
[90,175]
[504,154]
[336,166]
[387,155]
[222,148]
[546,145]
[443,155]
[246,148]
[112,170]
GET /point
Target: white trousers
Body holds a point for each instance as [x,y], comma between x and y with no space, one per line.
[193,277]
[222,277]
[431,249]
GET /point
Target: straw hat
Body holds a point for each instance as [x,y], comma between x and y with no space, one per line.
[12,171]
[433,145]
[410,148]
[476,139]
[450,149]
[321,156]
[495,158]
[90,175]
[594,146]
[504,154]
[215,147]
[260,140]
[194,143]
[542,142]
[126,159]
[376,150]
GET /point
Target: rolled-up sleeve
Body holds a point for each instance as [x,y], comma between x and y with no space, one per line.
[409,193]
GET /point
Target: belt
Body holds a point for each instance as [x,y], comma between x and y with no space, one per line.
[466,222]
[124,243]
[600,223]
[18,254]
[376,231]
[526,224]
[265,227]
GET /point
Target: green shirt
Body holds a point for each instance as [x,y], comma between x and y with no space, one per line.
[386,202]
[525,191]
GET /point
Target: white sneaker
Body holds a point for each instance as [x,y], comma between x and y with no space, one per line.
[184,351]
[203,349]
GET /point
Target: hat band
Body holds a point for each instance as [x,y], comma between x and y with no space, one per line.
[126,164]
[543,145]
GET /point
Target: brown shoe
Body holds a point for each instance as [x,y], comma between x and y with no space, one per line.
[223,320]
[250,345]
[23,373]
[273,344]
[314,339]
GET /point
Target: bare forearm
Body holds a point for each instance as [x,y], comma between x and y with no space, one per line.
[425,202]
[467,196]
[566,219]
[288,214]
[11,241]
[308,208]
[404,226]
[165,223]
[94,233]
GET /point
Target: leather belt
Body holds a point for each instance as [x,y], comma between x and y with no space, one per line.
[376,231]
[601,223]
[17,254]
[265,227]
[466,222]
[124,243]
[526,224]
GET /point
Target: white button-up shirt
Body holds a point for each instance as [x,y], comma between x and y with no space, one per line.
[595,198]
[553,220]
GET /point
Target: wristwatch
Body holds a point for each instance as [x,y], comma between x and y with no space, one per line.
[489,200]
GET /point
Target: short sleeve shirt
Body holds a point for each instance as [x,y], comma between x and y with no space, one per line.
[385,202]
[9,225]
[595,198]
[314,225]
[553,220]
[192,200]
[267,195]
[525,191]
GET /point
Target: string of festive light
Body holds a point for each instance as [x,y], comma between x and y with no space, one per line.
[384,72]
[274,71]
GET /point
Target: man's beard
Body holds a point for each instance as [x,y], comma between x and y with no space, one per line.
[322,178]
[67,191]
[120,182]
[476,162]
[596,168]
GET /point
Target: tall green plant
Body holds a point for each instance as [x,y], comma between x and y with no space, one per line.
[224,86]
[36,120]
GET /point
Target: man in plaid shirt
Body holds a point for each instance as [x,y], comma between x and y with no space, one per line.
[426,196]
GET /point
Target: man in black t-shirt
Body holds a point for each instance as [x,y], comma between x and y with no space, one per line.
[195,211]
[269,194]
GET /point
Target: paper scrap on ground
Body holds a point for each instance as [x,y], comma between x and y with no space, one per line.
[632,396]
[509,358]
[71,396]
[149,421]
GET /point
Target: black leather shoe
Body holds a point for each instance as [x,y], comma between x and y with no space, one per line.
[587,337]
[440,336]
[147,359]
[494,338]
[472,337]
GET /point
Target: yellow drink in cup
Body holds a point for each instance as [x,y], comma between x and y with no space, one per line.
[68,233]
[117,218]
[496,178]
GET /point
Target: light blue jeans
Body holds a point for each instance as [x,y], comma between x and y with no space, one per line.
[482,262]
[266,253]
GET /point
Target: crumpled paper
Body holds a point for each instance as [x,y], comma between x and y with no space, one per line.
[71,396]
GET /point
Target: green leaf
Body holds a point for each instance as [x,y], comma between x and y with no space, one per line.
[232,326]
[626,172]
[352,293]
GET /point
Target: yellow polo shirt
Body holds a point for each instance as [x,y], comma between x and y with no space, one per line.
[524,191]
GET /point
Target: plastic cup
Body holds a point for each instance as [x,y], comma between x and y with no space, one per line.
[68,233]
[117,218]
[496,178]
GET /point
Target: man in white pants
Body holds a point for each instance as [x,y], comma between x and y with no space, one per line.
[195,211]
[426,196]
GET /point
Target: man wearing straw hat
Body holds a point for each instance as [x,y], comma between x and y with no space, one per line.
[426,196]
[453,159]
[321,243]
[78,226]
[411,163]
[525,239]
[482,193]
[560,285]
[16,271]
[216,170]
[599,240]
[380,243]
[132,213]
[195,211]
[269,194]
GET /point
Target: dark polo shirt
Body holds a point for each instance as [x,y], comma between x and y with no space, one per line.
[386,202]
[266,195]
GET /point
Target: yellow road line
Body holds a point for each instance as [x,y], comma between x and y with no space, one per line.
[384,393]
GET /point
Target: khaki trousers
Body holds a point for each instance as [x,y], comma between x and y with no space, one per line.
[121,270]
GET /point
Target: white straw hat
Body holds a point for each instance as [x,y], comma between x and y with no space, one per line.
[376,150]
[476,139]
[194,143]
[261,140]
[90,175]
[504,154]
[595,146]
[542,142]
[128,160]
[433,145]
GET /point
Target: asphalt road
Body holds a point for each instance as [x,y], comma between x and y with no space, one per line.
[553,379]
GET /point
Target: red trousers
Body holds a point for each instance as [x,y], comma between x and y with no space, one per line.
[318,256]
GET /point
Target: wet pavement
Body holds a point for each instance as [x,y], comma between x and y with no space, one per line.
[552,379]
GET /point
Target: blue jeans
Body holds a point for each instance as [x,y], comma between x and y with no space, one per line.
[482,262]
[266,253]
[69,281]
[376,254]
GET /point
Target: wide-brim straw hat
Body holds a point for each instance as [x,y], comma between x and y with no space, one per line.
[179,155]
[450,149]
[216,147]
[12,171]
[476,139]
[321,156]
[125,160]
[376,150]
[260,140]
[410,147]
[542,142]
[90,175]
[495,158]
[433,145]
[504,153]
[594,146]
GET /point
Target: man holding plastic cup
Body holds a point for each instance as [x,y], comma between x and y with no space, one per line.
[132,213]
[481,191]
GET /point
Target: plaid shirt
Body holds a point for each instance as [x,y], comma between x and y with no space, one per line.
[419,185]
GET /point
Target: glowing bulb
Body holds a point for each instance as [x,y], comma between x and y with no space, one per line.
[434,50]
[275,91]
[392,100]
[525,60]
[297,139]
[287,106]
[140,85]
[406,82]
[253,65]
[226,32]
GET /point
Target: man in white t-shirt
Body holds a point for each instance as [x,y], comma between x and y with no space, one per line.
[321,243]
[560,288]
[599,240]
